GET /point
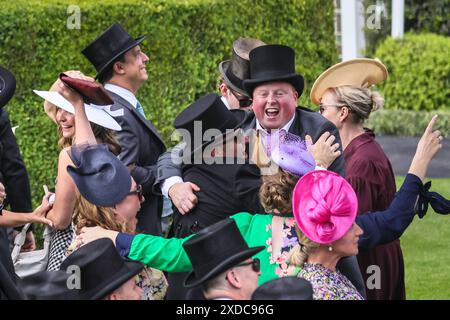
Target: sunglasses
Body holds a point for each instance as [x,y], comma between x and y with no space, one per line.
[256,265]
[243,100]
[137,192]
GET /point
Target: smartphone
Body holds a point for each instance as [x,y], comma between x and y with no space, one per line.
[51,199]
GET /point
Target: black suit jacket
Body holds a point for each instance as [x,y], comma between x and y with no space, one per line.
[12,169]
[141,146]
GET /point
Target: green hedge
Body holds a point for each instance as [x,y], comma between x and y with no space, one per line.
[419,72]
[406,122]
[185,42]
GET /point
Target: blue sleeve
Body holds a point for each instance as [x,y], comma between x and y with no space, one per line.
[385,226]
[123,243]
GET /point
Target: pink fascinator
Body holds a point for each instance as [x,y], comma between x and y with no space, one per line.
[324,206]
[289,152]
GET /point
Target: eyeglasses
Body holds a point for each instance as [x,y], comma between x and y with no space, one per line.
[243,100]
[256,265]
[323,107]
[137,192]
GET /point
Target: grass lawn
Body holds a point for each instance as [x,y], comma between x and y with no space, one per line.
[425,246]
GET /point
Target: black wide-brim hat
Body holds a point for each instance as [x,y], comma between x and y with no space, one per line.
[102,269]
[285,288]
[99,175]
[272,63]
[214,250]
[49,285]
[7,86]
[113,42]
[213,114]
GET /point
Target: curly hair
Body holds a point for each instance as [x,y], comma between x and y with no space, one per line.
[275,192]
[87,214]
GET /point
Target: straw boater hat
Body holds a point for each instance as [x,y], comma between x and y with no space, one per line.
[359,72]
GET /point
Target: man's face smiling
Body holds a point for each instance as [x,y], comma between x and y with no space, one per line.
[274,104]
[135,65]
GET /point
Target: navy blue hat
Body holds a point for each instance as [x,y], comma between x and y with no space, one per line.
[273,63]
[7,86]
[100,176]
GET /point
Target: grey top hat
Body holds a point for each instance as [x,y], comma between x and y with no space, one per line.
[237,69]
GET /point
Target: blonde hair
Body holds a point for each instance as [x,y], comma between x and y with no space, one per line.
[361,101]
[87,214]
[299,254]
[276,192]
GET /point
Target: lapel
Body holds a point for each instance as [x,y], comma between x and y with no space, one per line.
[133,110]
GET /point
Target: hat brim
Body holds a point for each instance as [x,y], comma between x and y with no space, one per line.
[361,72]
[241,117]
[294,79]
[223,67]
[301,204]
[94,114]
[9,86]
[192,281]
[130,269]
[136,42]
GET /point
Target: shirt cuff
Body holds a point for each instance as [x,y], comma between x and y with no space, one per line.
[123,243]
[168,183]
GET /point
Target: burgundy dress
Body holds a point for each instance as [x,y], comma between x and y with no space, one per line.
[370,173]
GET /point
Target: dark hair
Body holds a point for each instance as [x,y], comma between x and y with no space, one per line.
[108,73]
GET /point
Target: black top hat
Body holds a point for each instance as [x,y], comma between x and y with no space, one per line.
[213,114]
[273,63]
[49,285]
[96,170]
[7,86]
[214,250]
[285,288]
[102,269]
[104,50]
[237,69]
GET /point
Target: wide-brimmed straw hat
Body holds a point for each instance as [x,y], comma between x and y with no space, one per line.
[361,72]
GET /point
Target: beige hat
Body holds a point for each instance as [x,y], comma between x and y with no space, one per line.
[359,72]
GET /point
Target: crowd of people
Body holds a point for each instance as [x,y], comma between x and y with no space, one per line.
[270,200]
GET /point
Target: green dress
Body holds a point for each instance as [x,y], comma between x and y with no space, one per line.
[169,255]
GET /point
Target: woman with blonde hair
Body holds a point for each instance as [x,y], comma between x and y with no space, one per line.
[73,127]
[345,97]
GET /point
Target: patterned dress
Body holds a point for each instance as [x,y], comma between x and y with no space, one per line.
[328,284]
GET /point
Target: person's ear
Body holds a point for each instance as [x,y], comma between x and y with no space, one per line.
[344,114]
[119,67]
[233,279]
[223,89]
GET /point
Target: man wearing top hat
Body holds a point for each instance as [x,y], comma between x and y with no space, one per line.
[275,88]
[222,263]
[234,97]
[121,67]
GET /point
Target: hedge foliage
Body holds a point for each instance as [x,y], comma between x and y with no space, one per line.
[431,16]
[419,72]
[185,42]
[407,123]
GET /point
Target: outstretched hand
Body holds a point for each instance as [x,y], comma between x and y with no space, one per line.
[89,234]
[429,145]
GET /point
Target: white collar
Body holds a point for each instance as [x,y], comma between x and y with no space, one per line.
[225,102]
[122,92]
[286,127]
